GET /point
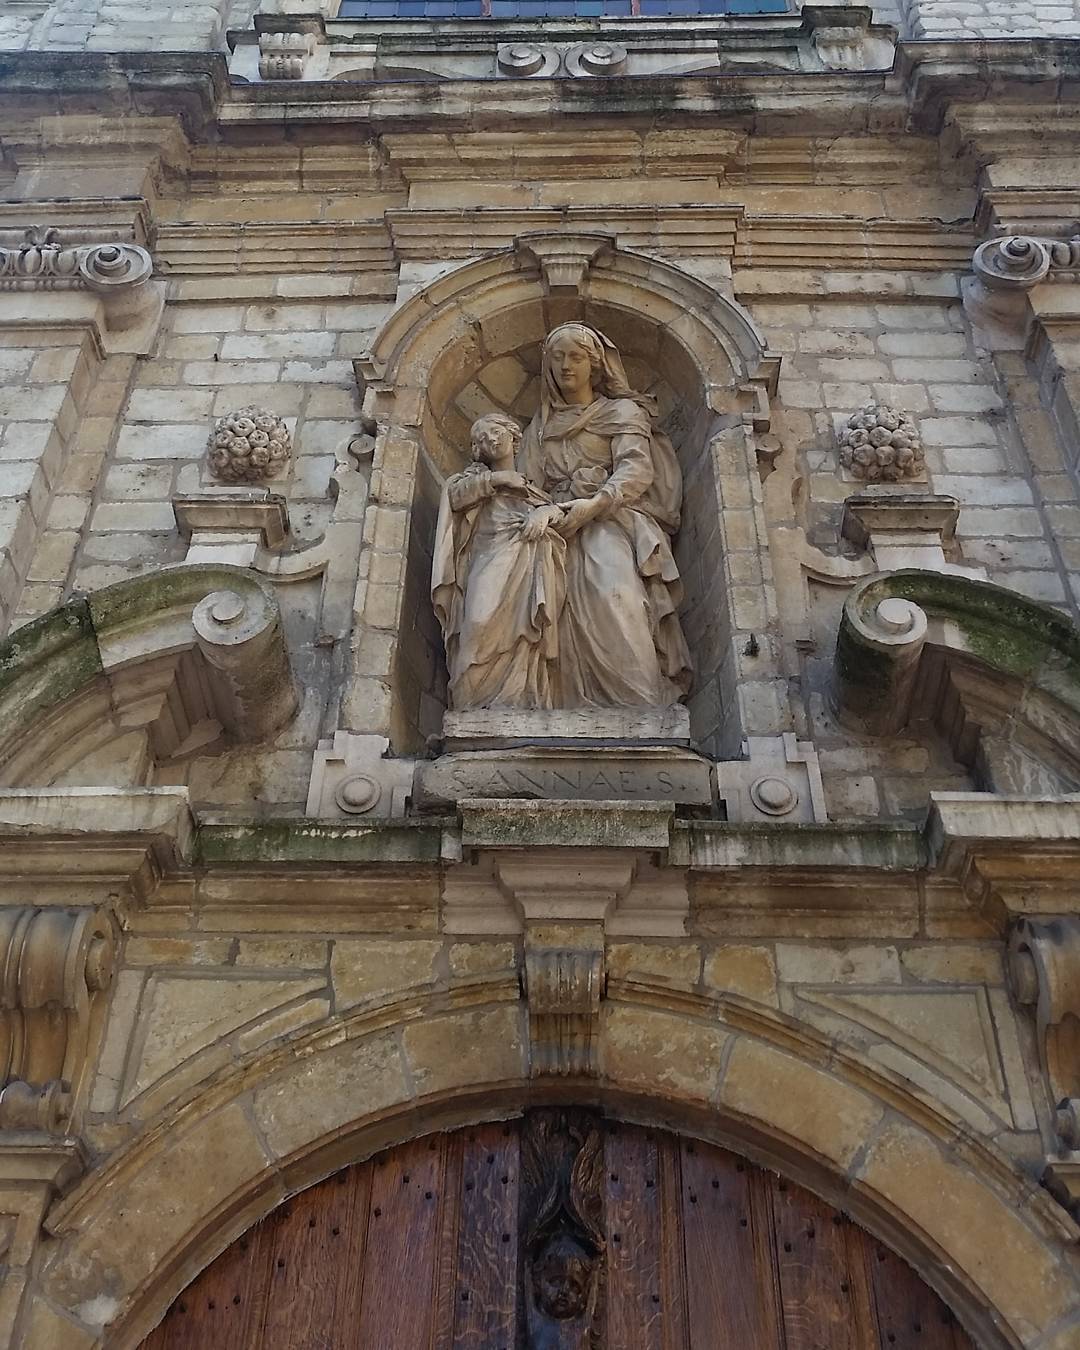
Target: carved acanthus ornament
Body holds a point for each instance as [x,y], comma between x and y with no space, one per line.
[1020,262]
[564,987]
[56,966]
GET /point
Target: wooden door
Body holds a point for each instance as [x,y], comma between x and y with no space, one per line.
[561,1231]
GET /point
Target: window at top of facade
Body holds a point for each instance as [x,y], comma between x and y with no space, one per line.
[553,9]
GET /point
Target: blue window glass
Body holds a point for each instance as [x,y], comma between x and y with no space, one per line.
[553,9]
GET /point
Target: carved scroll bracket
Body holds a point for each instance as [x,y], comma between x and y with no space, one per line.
[57,965]
[1044,975]
[109,281]
[564,987]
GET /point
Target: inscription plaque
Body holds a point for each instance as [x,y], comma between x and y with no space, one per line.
[657,774]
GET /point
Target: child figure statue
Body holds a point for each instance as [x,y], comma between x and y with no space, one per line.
[498,578]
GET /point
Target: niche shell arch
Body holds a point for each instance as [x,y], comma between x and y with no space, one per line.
[469,343]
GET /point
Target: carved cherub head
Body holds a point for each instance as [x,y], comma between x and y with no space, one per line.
[562,1277]
[495,438]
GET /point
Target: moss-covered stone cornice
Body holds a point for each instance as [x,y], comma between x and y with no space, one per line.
[129,639]
[928,78]
[891,619]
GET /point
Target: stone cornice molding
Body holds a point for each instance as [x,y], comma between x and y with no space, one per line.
[1012,855]
[927,81]
[116,841]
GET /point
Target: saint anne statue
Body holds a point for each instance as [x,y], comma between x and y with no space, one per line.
[602,489]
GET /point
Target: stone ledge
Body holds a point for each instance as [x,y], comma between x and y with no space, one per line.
[503,728]
[874,846]
[223,841]
[520,823]
[97,836]
[1015,855]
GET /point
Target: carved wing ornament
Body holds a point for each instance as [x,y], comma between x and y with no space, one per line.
[562,1158]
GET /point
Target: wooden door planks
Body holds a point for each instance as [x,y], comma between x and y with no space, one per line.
[484,1286]
[728,1273]
[636,1240]
[418,1249]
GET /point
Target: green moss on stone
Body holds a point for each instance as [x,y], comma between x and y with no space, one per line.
[318,842]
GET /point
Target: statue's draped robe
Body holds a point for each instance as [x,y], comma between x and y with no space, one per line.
[620,643]
[496,595]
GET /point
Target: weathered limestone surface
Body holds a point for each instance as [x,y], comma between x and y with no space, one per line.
[825,912]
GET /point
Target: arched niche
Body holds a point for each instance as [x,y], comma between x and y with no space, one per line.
[433,1243]
[469,343]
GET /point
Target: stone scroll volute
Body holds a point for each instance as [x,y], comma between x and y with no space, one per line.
[57,966]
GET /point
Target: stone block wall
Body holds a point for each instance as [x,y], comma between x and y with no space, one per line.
[54,388]
[930,19]
[986,441]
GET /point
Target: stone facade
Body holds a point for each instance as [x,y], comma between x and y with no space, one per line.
[291,911]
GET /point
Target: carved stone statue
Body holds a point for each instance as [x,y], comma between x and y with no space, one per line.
[499,577]
[596,623]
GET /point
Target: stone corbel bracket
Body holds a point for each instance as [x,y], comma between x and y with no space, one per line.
[1044,975]
[845,38]
[109,284]
[564,263]
[564,987]
[285,45]
[189,654]
[56,966]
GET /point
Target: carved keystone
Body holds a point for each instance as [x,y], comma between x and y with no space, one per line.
[564,261]
[56,964]
[564,986]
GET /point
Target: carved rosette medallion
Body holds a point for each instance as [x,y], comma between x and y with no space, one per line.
[562,1229]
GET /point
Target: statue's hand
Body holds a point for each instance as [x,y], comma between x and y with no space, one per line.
[508,478]
[577,515]
[538,520]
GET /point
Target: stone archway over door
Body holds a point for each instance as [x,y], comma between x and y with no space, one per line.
[426,1247]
